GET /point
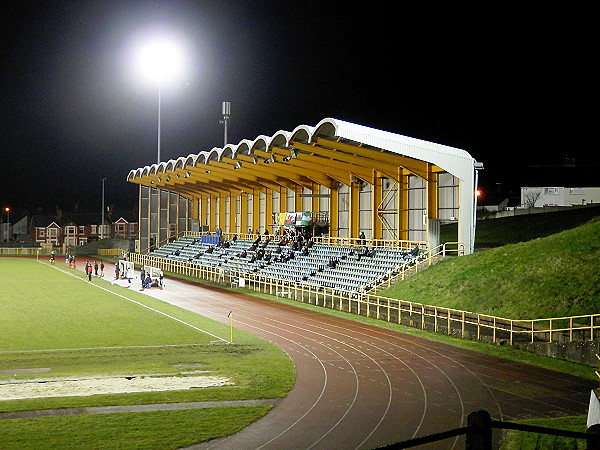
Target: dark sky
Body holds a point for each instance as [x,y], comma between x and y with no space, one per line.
[508,86]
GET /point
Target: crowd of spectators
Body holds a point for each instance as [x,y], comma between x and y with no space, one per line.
[265,251]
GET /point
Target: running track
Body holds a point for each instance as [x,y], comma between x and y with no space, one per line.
[361,387]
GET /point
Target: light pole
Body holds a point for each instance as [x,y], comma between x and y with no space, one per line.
[7,211]
[102,222]
[160,60]
[226,111]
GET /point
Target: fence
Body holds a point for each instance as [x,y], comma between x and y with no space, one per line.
[25,251]
[478,433]
[111,251]
[437,319]
[45,251]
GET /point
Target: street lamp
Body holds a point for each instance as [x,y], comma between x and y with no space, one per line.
[102,222]
[160,60]
[7,211]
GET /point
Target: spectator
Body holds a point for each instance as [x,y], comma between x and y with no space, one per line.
[88,270]
[362,238]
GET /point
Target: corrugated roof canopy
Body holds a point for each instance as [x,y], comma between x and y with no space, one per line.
[334,150]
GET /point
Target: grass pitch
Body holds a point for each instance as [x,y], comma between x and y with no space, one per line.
[57,325]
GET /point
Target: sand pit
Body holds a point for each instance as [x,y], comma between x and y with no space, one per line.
[106,385]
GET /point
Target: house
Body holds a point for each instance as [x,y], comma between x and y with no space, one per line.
[79,228]
[45,229]
[566,184]
[536,197]
[125,229]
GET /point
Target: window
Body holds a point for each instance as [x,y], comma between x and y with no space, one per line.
[42,232]
[577,191]
[551,191]
[93,230]
[70,230]
[81,230]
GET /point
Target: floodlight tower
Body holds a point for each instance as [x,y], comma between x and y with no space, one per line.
[160,60]
[226,111]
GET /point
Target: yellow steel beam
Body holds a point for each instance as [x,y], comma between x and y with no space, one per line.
[356,165]
[381,156]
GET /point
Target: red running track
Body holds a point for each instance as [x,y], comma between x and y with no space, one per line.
[362,387]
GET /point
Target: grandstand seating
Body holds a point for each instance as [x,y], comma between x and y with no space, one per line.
[353,270]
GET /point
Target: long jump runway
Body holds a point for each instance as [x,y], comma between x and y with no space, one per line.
[361,387]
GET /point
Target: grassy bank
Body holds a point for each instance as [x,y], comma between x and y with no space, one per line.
[553,276]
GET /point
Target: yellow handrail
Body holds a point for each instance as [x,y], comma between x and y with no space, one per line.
[499,328]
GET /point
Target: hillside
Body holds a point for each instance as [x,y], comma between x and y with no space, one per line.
[553,276]
[510,230]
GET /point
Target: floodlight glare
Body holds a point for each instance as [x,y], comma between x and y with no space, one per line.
[160,60]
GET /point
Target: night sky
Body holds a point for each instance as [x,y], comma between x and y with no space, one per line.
[508,86]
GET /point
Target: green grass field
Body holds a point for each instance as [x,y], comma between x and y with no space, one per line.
[55,326]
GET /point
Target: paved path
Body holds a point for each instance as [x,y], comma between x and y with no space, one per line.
[361,387]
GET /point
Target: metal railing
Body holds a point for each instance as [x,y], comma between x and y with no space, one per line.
[438,319]
[25,251]
[478,433]
[424,260]
[111,252]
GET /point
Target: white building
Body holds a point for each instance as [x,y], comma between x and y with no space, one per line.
[559,196]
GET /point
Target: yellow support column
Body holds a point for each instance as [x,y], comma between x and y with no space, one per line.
[283,199]
[433,201]
[334,209]
[212,211]
[203,215]
[402,202]
[222,213]
[243,212]
[195,208]
[232,213]
[269,211]
[298,204]
[315,205]
[354,210]
[255,210]
[376,196]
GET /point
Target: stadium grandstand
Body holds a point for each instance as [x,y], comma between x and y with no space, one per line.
[353,203]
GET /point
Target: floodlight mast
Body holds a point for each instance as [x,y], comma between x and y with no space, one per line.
[160,60]
[158,135]
[226,111]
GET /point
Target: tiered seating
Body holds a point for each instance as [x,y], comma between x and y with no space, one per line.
[352,271]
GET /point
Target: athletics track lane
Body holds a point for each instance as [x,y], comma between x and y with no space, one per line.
[361,387]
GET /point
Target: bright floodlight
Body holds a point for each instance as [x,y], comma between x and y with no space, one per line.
[160,60]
